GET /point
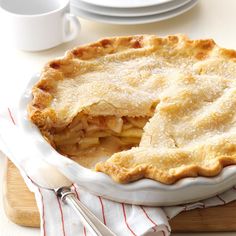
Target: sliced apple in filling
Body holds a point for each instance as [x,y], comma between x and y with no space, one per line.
[98,136]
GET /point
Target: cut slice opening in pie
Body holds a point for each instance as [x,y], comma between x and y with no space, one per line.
[99,136]
[142,106]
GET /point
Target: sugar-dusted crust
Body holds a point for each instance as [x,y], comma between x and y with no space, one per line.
[187,86]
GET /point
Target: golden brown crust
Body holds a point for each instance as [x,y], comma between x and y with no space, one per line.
[175,163]
[190,84]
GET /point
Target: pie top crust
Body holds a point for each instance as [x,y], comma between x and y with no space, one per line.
[184,89]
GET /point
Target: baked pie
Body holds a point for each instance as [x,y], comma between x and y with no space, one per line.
[141,106]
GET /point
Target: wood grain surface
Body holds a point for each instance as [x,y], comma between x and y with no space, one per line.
[20,207]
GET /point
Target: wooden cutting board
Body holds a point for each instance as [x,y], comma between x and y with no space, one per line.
[20,207]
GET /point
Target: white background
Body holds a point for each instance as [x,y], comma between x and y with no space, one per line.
[209,19]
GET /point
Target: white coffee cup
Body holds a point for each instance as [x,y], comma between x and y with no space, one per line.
[39,24]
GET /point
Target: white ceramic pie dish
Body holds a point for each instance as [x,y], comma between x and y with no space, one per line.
[142,192]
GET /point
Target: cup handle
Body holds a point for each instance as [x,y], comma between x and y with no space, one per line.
[72,23]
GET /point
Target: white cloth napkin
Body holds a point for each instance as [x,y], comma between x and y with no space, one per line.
[123,219]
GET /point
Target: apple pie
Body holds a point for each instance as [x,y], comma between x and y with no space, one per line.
[142,106]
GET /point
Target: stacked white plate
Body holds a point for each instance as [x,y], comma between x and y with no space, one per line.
[130,11]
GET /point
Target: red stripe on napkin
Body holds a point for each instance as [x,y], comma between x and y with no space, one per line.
[103,212]
[167,229]
[62,217]
[221,199]
[77,195]
[85,231]
[11,116]
[43,206]
[124,213]
[43,212]
[148,217]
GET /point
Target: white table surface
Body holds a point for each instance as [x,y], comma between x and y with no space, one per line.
[209,19]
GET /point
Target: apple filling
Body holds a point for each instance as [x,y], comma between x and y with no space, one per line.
[90,139]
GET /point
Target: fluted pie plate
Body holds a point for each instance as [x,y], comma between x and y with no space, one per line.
[155,115]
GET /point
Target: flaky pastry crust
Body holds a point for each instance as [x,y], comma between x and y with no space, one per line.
[187,87]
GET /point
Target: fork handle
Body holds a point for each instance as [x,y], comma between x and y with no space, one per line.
[94,225]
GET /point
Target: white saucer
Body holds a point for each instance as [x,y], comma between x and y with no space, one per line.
[126,3]
[133,20]
[128,12]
